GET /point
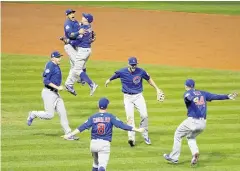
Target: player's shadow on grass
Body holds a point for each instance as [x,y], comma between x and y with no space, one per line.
[154,133]
[212,157]
[48,134]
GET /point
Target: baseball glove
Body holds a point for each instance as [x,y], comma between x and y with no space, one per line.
[160,96]
[233,96]
[93,36]
[64,40]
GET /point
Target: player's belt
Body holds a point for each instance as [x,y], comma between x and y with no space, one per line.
[100,139]
[130,93]
[197,118]
[51,88]
[85,47]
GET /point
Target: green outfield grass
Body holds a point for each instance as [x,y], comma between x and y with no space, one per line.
[231,8]
[40,148]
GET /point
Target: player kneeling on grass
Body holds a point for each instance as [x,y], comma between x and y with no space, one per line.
[196,103]
[101,134]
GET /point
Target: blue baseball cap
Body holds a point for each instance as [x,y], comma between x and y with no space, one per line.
[69,11]
[88,16]
[132,61]
[103,103]
[55,54]
[190,83]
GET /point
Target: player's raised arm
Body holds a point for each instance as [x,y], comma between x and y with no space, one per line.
[210,96]
[113,77]
[119,124]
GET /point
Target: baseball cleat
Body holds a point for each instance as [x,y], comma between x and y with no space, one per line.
[75,137]
[72,138]
[131,143]
[147,141]
[166,156]
[30,119]
[70,89]
[195,159]
[93,88]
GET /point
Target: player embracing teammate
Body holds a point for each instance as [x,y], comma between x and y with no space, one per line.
[78,39]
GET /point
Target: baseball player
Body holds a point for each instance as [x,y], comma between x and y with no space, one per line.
[52,79]
[72,31]
[196,103]
[83,45]
[131,79]
[101,134]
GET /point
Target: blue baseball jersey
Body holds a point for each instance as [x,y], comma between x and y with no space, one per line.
[131,81]
[196,102]
[102,124]
[52,74]
[71,27]
[84,40]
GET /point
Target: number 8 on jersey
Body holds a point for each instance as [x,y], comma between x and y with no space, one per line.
[101,128]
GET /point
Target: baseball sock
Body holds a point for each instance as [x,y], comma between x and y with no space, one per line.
[144,124]
[82,81]
[85,77]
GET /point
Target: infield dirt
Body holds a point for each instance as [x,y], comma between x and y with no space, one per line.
[154,37]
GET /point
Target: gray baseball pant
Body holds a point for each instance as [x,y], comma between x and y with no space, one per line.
[53,102]
[137,101]
[100,150]
[189,128]
[78,60]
